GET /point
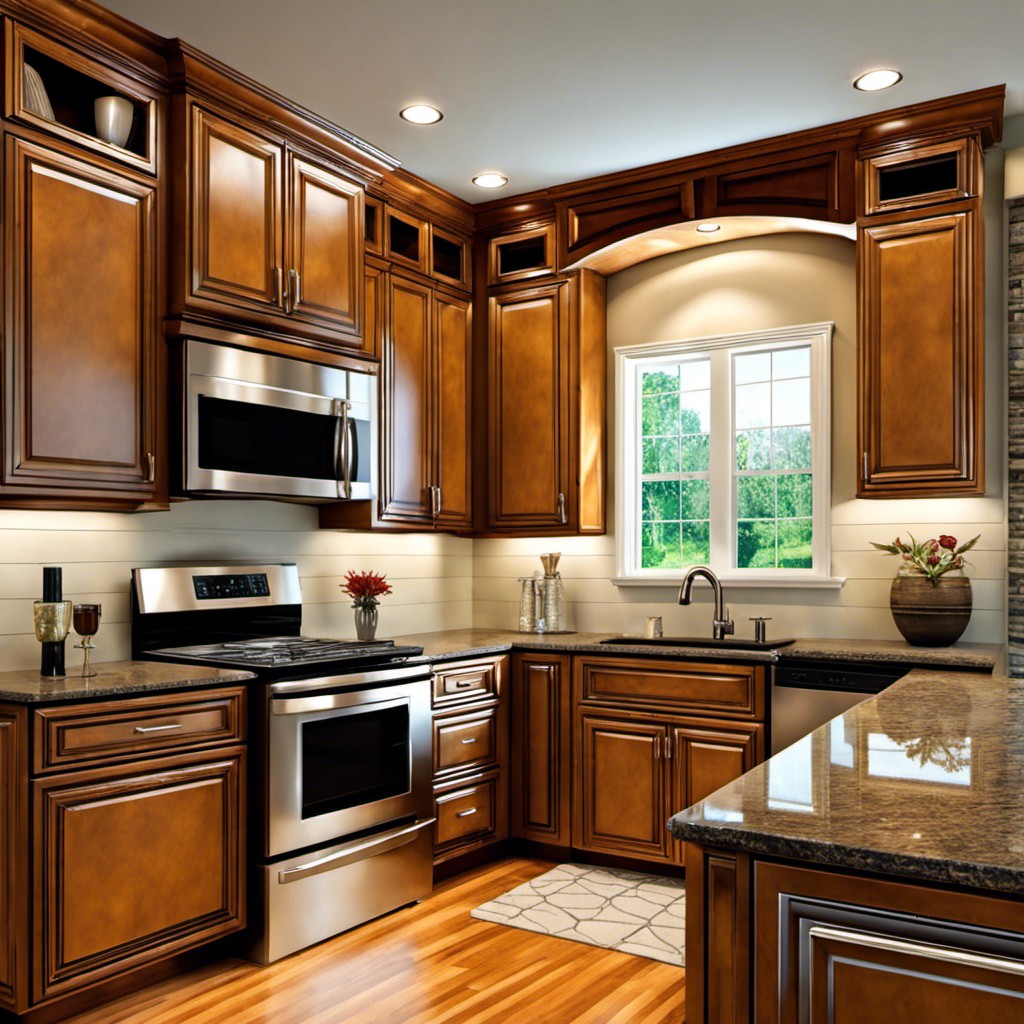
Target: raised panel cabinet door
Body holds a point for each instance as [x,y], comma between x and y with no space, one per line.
[621,794]
[529,409]
[325,268]
[237,237]
[81,322]
[541,748]
[921,373]
[452,412]
[132,868]
[405,424]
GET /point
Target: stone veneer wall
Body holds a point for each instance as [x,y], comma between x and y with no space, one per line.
[1015,403]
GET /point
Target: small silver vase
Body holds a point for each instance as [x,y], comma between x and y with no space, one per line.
[366,622]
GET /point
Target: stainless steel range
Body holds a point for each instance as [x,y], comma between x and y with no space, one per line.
[340,739]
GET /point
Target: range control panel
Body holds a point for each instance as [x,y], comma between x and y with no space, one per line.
[251,584]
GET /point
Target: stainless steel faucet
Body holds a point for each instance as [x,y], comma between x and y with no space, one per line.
[722,625]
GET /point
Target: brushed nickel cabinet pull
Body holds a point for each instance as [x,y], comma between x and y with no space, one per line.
[466,813]
[468,740]
[295,286]
[864,466]
[464,684]
[668,748]
[143,729]
[151,470]
[561,508]
[437,498]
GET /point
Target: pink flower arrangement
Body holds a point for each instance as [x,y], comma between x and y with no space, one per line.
[365,588]
[931,558]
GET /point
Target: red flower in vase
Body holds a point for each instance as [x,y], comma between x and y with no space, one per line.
[365,588]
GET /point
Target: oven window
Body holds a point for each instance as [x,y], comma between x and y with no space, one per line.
[241,437]
[354,759]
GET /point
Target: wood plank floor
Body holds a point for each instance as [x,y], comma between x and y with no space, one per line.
[427,964]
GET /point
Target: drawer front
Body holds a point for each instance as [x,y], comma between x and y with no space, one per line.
[465,681]
[463,740]
[465,812]
[694,687]
[123,730]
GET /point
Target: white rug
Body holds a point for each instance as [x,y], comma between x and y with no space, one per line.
[624,910]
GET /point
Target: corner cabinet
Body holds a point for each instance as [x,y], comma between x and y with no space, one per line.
[920,321]
[546,364]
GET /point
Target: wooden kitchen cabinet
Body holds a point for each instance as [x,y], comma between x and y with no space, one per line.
[919,253]
[80,392]
[546,412]
[14,871]
[541,699]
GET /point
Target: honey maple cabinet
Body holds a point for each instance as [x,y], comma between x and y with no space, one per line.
[920,323]
[546,407]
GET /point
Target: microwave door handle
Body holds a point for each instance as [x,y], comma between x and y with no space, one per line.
[342,448]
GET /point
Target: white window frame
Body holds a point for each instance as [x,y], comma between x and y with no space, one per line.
[629,360]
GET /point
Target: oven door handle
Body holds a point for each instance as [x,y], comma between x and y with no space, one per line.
[341,703]
[351,853]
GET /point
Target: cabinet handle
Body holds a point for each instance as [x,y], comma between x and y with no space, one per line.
[468,740]
[151,470]
[668,748]
[296,288]
[279,287]
[466,813]
[561,508]
[433,501]
[143,729]
[437,498]
[864,466]
[465,684]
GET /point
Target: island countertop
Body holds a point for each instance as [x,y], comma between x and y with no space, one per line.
[922,781]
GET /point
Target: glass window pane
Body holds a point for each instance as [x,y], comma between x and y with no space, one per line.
[755,367]
[755,544]
[660,500]
[659,379]
[791,401]
[755,497]
[695,375]
[753,449]
[661,415]
[659,546]
[791,362]
[753,406]
[695,454]
[696,543]
[795,495]
[660,455]
[795,537]
[695,416]
[694,503]
[791,448]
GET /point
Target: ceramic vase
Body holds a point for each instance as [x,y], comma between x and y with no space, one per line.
[931,614]
[366,622]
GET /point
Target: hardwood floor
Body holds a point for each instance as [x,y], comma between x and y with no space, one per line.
[428,964]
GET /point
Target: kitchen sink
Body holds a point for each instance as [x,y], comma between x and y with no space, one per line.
[729,643]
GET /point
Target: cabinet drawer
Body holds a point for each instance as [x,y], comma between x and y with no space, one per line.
[465,812]
[695,687]
[465,681]
[463,740]
[122,730]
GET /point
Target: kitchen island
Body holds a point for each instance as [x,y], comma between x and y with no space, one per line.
[873,871]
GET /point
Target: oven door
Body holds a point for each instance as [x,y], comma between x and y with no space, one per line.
[347,761]
[263,425]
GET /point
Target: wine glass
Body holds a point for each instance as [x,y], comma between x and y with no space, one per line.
[87,624]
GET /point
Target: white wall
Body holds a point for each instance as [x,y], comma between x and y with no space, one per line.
[754,284]
[432,575]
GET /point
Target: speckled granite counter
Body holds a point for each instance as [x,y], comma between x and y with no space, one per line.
[923,781]
[472,643]
[114,679]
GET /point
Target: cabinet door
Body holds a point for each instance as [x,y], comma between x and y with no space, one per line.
[237,253]
[707,759]
[921,374]
[79,361]
[621,796]
[132,868]
[540,748]
[325,267]
[529,413]
[452,412]
[406,377]
[13,866]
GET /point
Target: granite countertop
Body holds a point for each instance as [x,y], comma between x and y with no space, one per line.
[922,781]
[473,643]
[113,679]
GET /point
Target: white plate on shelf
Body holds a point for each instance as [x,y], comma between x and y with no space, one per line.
[35,96]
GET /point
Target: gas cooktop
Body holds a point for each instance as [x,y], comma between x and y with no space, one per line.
[277,651]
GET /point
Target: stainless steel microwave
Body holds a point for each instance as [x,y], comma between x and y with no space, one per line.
[262,425]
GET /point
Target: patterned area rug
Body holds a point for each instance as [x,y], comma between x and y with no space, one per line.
[624,910]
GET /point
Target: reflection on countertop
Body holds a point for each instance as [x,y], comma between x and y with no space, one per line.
[922,781]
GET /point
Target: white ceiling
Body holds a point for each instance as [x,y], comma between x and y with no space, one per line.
[549,91]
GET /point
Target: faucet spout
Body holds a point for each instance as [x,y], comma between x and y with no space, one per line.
[722,626]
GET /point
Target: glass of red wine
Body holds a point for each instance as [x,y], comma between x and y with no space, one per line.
[87,624]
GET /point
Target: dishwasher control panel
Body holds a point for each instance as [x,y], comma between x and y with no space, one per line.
[819,675]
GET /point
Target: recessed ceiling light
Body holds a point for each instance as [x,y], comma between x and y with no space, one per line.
[420,113]
[872,81]
[708,229]
[490,179]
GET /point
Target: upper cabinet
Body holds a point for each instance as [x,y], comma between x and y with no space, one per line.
[271,203]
